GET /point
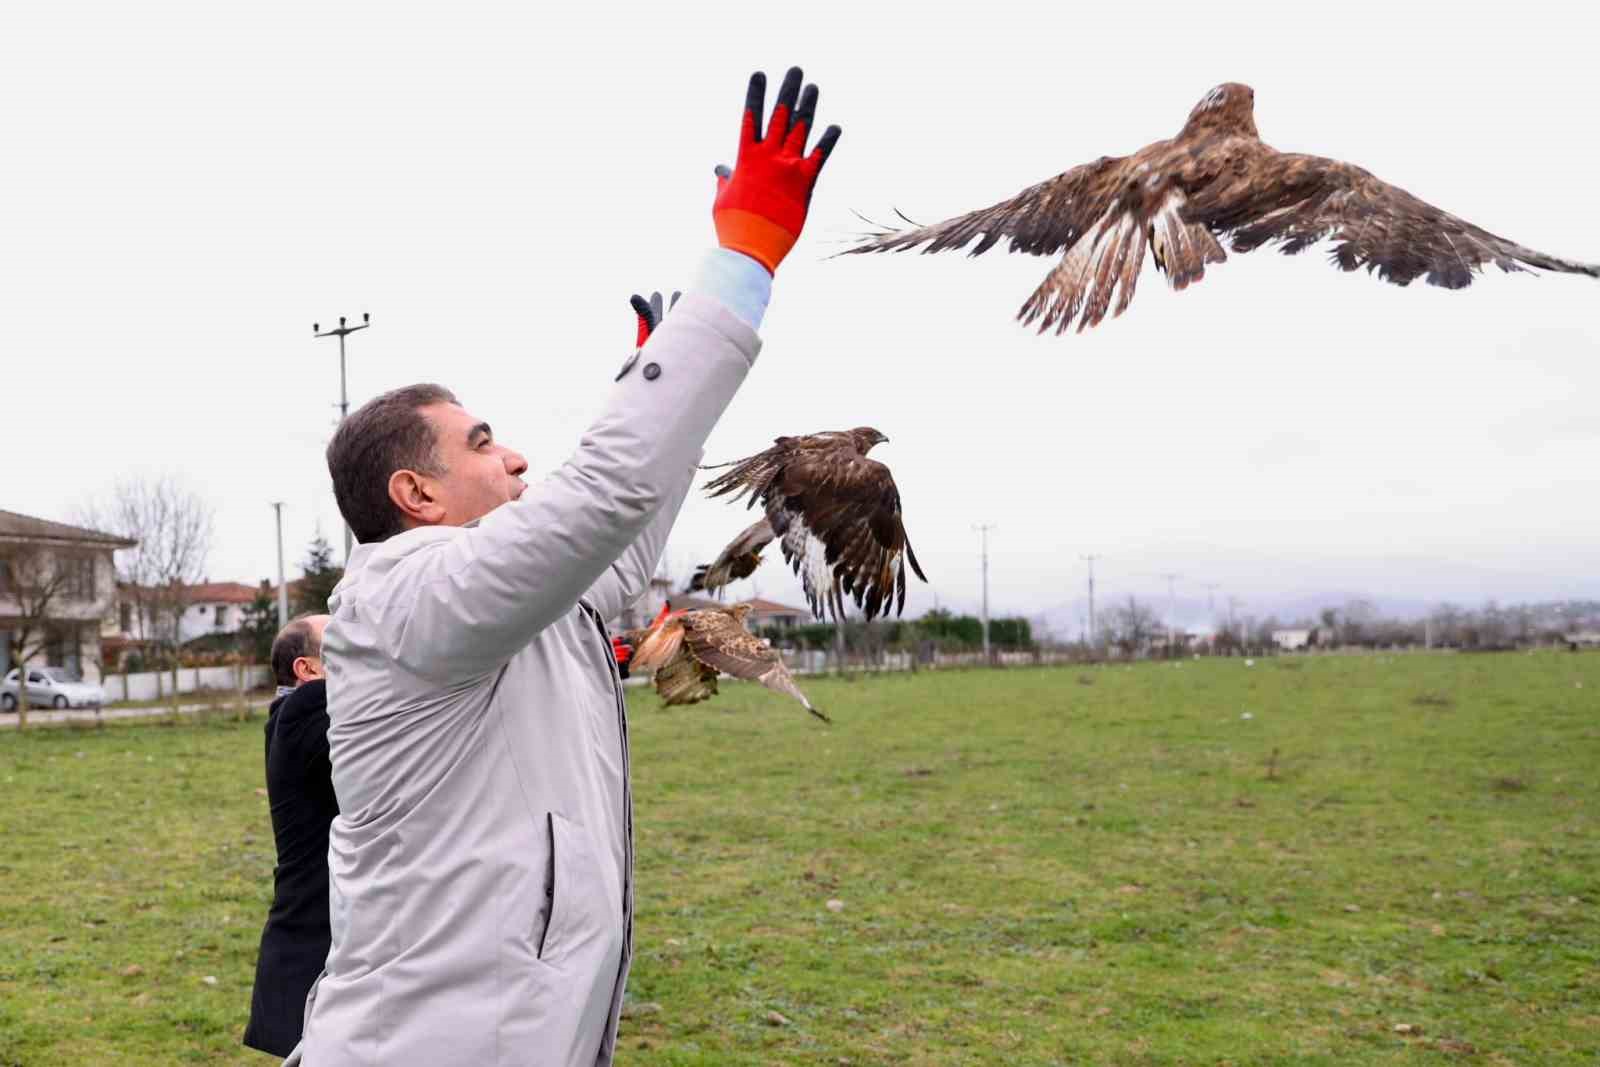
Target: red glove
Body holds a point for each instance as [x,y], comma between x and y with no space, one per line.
[622,650]
[761,204]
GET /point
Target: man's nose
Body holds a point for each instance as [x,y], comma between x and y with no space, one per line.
[516,465]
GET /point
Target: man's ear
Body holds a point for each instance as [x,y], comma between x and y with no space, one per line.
[303,671]
[412,493]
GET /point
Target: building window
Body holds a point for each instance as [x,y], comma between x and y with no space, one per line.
[63,651]
[125,617]
[80,574]
[222,617]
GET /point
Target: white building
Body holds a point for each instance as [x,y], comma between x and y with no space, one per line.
[210,608]
[1289,640]
[215,608]
[772,613]
[58,582]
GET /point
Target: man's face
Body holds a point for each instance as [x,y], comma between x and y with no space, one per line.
[479,474]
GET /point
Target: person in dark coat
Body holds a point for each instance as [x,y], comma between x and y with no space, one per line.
[294,943]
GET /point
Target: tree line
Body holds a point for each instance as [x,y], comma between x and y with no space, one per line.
[1133,627]
[938,630]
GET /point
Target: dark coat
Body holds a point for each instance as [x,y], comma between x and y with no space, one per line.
[294,943]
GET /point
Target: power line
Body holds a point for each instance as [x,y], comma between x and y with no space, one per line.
[344,394]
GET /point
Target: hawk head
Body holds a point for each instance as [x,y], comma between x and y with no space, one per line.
[864,437]
[1228,108]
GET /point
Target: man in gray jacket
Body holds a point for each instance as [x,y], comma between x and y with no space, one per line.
[481,866]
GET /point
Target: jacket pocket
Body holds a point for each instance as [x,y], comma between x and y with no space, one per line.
[571,866]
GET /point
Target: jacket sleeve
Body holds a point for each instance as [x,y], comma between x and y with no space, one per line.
[626,580]
[461,606]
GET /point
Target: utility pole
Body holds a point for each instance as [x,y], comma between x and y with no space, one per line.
[344,394]
[984,529]
[1211,599]
[1172,611]
[838,642]
[283,590]
[1090,560]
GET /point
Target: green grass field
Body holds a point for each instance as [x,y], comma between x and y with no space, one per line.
[1339,860]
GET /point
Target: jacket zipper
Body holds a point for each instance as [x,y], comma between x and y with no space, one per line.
[627,778]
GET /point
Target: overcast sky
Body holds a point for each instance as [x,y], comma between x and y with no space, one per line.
[189,187]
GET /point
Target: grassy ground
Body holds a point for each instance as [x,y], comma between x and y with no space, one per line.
[1342,860]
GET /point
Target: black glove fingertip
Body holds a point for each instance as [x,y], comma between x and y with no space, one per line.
[755,99]
[825,144]
[787,93]
[807,111]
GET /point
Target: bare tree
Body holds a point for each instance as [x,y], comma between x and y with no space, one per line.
[1491,628]
[1522,625]
[1329,630]
[36,580]
[1130,626]
[173,525]
[1445,622]
[1357,620]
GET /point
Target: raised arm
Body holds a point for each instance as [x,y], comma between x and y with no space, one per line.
[461,605]
[627,579]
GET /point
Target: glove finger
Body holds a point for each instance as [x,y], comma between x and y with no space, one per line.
[656,310]
[755,102]
[641,308]
[804,115]
[819,155]
[783,110]
[674,303]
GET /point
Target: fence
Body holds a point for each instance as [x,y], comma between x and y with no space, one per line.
[155,685]
[824,661]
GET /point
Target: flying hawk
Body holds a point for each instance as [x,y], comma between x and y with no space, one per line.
[1216,179]
[687,650]
[836,514]
[739,560]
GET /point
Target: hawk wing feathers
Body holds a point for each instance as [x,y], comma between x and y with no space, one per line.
[836,515]
[1216,179]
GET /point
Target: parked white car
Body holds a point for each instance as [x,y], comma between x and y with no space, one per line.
[51,687]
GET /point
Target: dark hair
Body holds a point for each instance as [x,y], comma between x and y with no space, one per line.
[296,639]
[384,435]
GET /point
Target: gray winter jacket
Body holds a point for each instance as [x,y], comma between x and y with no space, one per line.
[481,867]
